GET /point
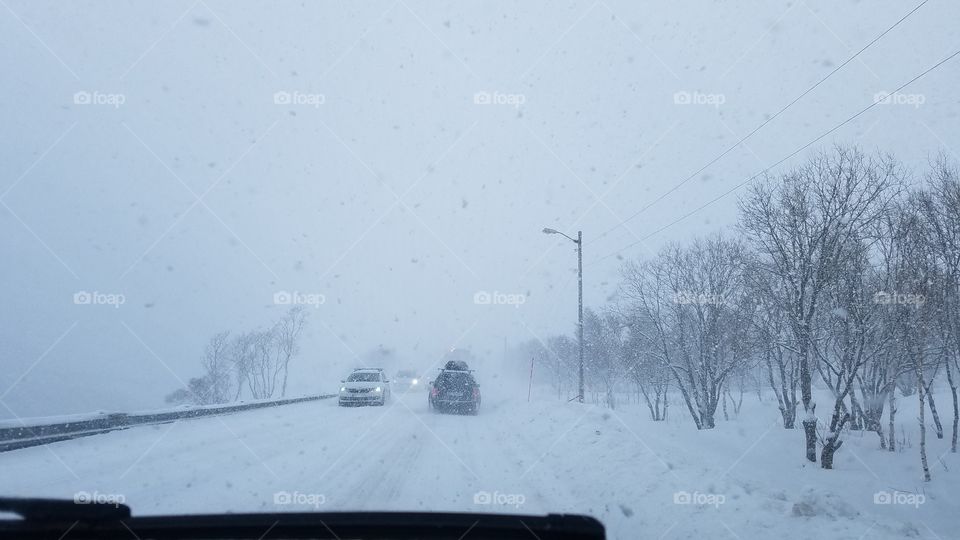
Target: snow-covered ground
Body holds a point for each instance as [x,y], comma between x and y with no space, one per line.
[745,479]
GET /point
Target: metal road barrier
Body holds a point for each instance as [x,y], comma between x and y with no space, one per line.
[24,436]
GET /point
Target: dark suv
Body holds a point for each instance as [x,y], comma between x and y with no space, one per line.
[455,390]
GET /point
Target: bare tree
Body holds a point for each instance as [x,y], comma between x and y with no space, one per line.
[602,339]
[265,365]
[940,208]
[557,356]
[880,375]
[651,376]
[740,378]
[694,302]
[915,274]
[217,366]
[287,335]
[180,396]
[851,335]
[255,363]
[564,363]
[799,225]
[242,352]
[647,286]
[772,341]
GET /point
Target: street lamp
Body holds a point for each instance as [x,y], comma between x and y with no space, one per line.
[579,242]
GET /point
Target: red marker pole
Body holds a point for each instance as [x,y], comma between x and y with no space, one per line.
[530,385]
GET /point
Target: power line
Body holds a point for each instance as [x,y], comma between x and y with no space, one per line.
[762,125]
[778,163]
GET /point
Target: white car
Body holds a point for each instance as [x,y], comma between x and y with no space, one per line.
[408,379]
[367,386]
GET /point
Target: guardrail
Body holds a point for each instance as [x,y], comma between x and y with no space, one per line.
[24,436]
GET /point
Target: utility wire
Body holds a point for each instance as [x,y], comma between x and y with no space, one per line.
[792,154]
[762,125]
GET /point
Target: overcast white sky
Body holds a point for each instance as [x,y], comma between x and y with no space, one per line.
[399,197]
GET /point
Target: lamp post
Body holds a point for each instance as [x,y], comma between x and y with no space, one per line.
[579,242]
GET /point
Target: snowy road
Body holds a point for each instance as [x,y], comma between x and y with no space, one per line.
[401,456]
[513,457]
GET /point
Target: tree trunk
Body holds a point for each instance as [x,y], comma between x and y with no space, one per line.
[650,404]
[953,393]
[806,395]
[810,436]
[893,414]
[686,399]
[923,426]
[856,412]
[833,442]
[661,403]
[830,446]
[726,417]
[786,399]
[789,415]
[883,440]
[872,416]
[933,411]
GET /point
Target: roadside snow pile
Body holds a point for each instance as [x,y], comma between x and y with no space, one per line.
[813,503]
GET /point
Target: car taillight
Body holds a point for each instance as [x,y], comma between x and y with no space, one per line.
[476,393]
[434,392]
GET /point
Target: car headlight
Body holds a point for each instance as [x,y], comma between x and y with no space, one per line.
[343,388]
[378,389]
[415,381]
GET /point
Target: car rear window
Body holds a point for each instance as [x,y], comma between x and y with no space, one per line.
[454,377]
